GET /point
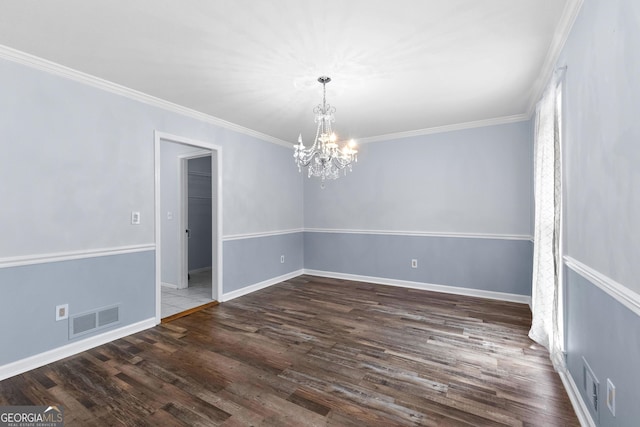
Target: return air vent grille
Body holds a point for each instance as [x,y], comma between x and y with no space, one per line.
[108,316]
[96,320]
[84,323]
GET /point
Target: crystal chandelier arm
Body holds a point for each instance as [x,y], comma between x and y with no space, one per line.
[343,161]
[306,158]
[324,159]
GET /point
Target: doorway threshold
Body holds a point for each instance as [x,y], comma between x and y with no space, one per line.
[188,312]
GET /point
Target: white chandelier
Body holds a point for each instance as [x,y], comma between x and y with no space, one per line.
[324,158]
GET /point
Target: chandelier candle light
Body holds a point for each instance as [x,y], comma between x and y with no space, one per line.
[324,158]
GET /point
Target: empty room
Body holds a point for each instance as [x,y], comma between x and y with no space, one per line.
[303,213]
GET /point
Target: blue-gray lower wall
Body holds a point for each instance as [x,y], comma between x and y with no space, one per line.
[488,264]
[32,292]
[607,335]
[249,261]
[28,317]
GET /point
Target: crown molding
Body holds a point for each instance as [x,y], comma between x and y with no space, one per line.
[562,32]
[447,128]
[569,15]
[50,67]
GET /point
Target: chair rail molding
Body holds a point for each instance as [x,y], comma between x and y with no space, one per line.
[622,294]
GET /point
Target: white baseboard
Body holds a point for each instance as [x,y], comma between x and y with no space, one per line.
[169,285]
[228,296]
[582,412]
[501,296]
[38,360]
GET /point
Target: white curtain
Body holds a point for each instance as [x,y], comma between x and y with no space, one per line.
[545,327]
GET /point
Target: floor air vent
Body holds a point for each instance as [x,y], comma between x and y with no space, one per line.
[85,323]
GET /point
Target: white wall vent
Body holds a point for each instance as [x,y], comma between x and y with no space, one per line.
[591,388]
[92,321]
[108,316]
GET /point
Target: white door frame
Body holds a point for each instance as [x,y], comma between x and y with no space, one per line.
[183,190]
[216,226]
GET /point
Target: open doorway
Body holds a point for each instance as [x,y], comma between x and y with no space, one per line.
[175,158]
[196,193]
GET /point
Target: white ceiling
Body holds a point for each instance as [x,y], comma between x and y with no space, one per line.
[398,67]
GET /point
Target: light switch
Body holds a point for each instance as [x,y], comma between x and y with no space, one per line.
[135,218]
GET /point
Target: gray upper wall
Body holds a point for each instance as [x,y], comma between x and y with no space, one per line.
[263,189]
[76,160]
[473,181]
[602,139]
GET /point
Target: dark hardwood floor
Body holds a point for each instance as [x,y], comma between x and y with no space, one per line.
[314,351]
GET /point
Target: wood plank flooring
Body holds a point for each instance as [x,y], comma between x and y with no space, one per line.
[313,352]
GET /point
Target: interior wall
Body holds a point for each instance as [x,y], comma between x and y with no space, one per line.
[602,205]
[603,130]
[257,260]
[473,181]
[451,197]
[76,161]
[263,189]
[30,294]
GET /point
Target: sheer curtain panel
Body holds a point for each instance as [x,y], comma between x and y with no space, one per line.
[546,324]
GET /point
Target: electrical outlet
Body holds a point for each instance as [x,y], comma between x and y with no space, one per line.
[414,263]
[281,259]
[611,397]
[62,312]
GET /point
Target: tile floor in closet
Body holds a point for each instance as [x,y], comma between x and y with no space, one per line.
[178,300]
